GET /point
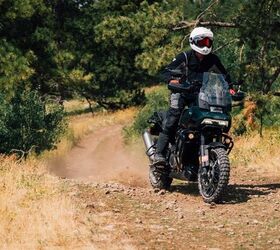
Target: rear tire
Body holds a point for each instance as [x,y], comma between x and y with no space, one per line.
[213,180]
[159,179]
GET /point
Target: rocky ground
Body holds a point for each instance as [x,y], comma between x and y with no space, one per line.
[123,217]
[121,211]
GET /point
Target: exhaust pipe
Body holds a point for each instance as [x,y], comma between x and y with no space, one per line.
[149,144]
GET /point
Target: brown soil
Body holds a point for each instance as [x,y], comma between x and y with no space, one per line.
[102,157]
[122,212]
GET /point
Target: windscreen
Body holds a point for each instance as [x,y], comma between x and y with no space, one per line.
[214,91]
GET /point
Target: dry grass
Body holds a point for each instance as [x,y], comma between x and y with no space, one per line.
[38,211]
[80,126]
[74,105]
[35,210]
[256,153]
[154,88]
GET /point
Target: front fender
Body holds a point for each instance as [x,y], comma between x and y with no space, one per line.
[216,145]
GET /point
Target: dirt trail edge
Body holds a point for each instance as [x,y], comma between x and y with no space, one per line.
[120,211]
[102,156]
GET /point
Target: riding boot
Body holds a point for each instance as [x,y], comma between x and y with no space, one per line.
[161,146]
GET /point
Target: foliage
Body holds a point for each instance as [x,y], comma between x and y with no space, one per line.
[14,67]
[260,32]
[267,110]
[118,38]
[156,100]
[259,111]
[107,51]
[29,123]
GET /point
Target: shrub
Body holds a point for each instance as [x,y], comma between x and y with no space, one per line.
[29,123]
[157,100]
[259,111]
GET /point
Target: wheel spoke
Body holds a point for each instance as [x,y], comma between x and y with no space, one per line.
[216,162]
[210,188]
[213,180]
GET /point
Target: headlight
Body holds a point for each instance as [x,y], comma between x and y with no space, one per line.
[215,122]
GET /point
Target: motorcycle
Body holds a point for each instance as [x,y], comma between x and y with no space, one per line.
[202,144]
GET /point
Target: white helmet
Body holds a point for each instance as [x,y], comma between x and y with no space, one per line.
[201,40]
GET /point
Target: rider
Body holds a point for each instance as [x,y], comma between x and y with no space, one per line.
[194,62]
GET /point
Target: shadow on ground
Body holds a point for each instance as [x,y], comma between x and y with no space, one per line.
[240,193]
[237,193]
[190,188]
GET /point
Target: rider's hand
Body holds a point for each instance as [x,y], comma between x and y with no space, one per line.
[232,91]
[174,81]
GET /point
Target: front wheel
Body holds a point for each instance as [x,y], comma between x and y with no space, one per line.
[159,178]
[213,179]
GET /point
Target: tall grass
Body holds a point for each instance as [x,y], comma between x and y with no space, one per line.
[260,154]
[35,212]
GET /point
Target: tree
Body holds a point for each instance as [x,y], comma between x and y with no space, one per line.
[116,48]
[27,123]
[259,30]
[108,50]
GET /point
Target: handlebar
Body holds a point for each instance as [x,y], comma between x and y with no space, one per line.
[239,82]
[238,96]
[196,85]
[180,88]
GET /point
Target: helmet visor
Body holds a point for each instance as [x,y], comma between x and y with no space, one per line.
[204,42]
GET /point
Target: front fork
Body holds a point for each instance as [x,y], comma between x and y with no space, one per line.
[204,159]
[204,153]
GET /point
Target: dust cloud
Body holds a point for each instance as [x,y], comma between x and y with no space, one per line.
[103,157]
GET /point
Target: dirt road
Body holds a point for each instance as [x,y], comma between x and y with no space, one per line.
[102,156]
[121,211]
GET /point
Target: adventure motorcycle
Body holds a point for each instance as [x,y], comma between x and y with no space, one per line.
[201,146]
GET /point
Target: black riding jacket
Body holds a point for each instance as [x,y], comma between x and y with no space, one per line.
[192,67]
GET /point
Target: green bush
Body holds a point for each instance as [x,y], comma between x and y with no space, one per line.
[156,100]
[29,123]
